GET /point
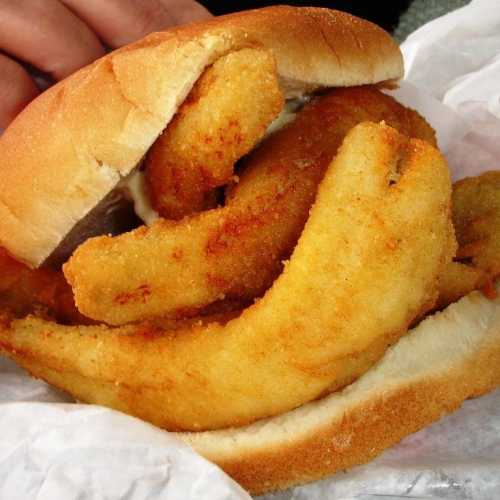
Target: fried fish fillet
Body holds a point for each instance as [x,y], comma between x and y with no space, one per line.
[476,218]
[458,280]
[43,292]
[365,266]
[224,116]
[175,268]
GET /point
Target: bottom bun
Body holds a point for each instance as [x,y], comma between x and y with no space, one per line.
[449,357]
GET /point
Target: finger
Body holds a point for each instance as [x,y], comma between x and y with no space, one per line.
[119,22]
[16,90]
[47,35]
[186,11]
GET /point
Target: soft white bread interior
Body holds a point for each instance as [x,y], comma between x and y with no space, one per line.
[71,146]
[449,357]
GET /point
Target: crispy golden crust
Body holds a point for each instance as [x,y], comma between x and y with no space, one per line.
[42,292]
[418,381]
[476,218]
[70,147]
[236,251]
[224,116]
[365,238]
[458,280]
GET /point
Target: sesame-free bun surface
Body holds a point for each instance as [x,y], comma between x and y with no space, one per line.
[449,357]
[72,145]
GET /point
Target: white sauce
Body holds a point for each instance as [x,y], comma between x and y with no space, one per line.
[135,187]
[287,115]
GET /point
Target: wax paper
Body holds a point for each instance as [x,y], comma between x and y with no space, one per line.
[52,448]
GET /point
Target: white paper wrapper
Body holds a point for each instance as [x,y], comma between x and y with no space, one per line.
[455,61]
[68,451]
[50,450]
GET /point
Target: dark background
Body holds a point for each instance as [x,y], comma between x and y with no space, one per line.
[385,14]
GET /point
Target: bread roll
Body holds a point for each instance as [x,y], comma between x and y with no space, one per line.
[70,147]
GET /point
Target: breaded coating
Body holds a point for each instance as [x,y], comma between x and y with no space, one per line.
[225,115]
[175,268]
[43,292]
[365,266]
[457,281]
[476,217]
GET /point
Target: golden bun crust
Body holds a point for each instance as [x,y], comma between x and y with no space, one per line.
[449,357]
[71,146]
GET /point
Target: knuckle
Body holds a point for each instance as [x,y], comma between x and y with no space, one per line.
[151,16]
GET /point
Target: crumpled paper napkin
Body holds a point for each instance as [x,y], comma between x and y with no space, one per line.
[69,451]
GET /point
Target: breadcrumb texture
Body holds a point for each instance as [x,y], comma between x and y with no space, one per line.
[236,251]
[319,326]
[42,292]
[224,116]
[476,218]
[72,144]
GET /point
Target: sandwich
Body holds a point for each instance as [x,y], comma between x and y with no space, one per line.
[230,231]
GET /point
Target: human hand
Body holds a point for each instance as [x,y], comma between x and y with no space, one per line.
[57,37]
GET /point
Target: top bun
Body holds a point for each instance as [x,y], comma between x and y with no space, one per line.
[70,147]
